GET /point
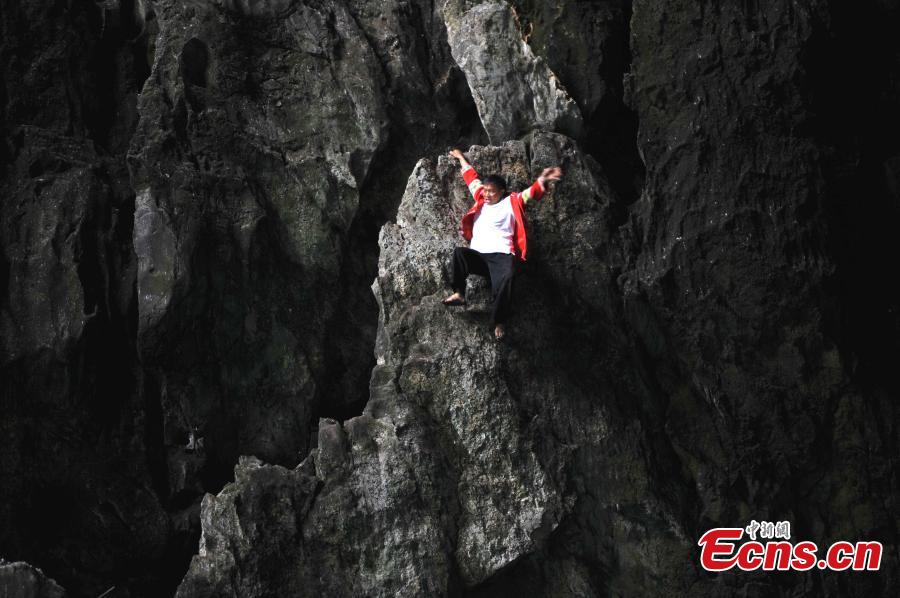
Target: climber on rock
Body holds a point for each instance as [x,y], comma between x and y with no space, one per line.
[495,229]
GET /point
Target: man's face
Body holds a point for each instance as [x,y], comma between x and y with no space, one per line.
[492,193]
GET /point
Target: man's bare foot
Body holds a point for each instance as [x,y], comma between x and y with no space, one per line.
[454,299]
[499,332]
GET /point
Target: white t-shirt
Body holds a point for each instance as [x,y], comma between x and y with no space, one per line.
[493,230]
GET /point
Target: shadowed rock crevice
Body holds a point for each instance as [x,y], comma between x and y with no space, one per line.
[613,126]
[83,504]
[586,45]
[119,65]
[858,123]
[431,111]
[349,347]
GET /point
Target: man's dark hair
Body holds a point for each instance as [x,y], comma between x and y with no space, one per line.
[496,180]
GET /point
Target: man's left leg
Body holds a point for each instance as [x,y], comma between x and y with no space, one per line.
[502,267]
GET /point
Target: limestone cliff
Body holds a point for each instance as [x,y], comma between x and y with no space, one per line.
[204,393]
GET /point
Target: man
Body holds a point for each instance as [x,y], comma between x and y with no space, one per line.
[495,229]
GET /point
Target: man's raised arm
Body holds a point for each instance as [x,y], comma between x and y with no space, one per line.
[537,189]
[468,173]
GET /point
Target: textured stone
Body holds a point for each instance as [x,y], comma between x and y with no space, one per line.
[583,43]
[77,496]
[270,114]
[439,482]
[712,342]
[154,246]
[737,258]
[253,529]
[513,88]
[258,127]
[44,306]
[21,580]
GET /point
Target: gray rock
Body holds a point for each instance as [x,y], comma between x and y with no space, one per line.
[21,580]
[714,344]
[257,8]
[246,532]
[513,88]
[154,245]
[238,305]
[77,497]
[42,217]
[583,43]
[440,482]
[259,124]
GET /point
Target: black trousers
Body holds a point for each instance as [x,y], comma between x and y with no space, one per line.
[498,267]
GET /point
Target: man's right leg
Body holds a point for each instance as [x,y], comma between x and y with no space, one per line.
[502,267]
[465,261]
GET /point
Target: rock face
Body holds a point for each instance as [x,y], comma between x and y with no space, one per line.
[197,196]
[447,477]
[260,125]
[245,217]
[666,427]
[583,43]
[21,580]
[514,90]
[50,309]
[77,497]
[742,278]
[232,108]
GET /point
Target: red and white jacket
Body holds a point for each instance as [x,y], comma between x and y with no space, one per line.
[517,201]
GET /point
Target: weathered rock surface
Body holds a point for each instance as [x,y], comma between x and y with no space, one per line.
[429,107]
[513,88]
[131,308]
[248,158]
[439,484]
[46,307]
[735,257]
[586,46]
[77,496]
[21,580]
[707,326]
[666,426]
[251,164]
[583,43]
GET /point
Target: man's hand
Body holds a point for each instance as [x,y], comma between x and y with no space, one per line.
[463,163]
[550,174]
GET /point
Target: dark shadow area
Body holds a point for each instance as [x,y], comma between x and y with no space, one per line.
[117,67]
[586,44]
[78,440]
[860,121]
[612,129]
[350,346]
